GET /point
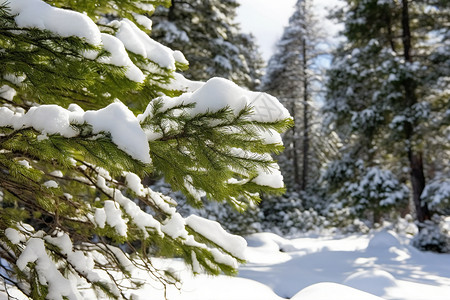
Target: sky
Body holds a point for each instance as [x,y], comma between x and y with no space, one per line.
[266,19]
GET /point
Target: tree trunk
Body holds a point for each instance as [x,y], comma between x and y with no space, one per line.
[171,15]
[418,185]
[305,166]
[415,158]
[294,145]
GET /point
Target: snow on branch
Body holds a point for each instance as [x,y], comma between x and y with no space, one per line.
[73,175]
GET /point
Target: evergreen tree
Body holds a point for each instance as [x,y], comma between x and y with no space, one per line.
[293,76]
[385,91]
[206,32]
[88,107]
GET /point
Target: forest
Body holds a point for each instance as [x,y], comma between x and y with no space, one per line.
[148,151]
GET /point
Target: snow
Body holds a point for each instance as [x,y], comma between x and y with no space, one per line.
[180,83]
[77,259]
[119,57]
[272,137]
[134,183]
[111,213]
[114,217]
[374,263]
[143,21]
[175,226]
[24,163]
[14,236]
[51,184]
[372,281]
[48,119]
[7,92]
[138,216]
[124,127]
[218,93]
[137,41]
[100,217]
[359,267]
[271,177]
[350,267]
[115,119]
[57,173]
[64,22]
[330,290]
[215,233]
[179,57]
[437,192]
[58,286]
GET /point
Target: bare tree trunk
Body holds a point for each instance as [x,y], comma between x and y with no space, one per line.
[415,158]
[305,166]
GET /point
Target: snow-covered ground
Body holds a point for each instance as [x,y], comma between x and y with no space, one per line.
[380,265]
[361,267]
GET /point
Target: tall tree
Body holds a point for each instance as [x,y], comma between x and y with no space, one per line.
[72,152]
[292,76]
[206,32]
[384,86]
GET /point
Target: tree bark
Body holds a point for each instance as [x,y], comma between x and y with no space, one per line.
[294,146]
[415,158]
[171,15]
[305,166]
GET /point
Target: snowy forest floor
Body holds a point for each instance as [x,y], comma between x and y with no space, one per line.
[322,268]
[380,265]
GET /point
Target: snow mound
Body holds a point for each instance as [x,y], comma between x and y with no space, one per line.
[384,239]
[270,242]
[387,246]
[371,281]
[267,248]
[329,290]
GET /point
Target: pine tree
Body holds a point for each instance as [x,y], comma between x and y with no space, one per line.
[206,32]
[90,106]
[386,86]
[293,76]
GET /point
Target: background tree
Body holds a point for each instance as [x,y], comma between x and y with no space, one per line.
[293,75]
[205,31]
[72,152]
[384,88]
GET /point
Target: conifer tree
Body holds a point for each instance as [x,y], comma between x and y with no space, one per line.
[206,32]
[293,76]
[90,106]
[385,92]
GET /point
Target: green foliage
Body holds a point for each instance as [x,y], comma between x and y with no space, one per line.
[385,83]
[190,162]
[75,200]
[206,32]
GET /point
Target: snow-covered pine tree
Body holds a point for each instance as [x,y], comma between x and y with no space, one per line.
[207,34]
[88,106]
[292,76]
[385,96]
